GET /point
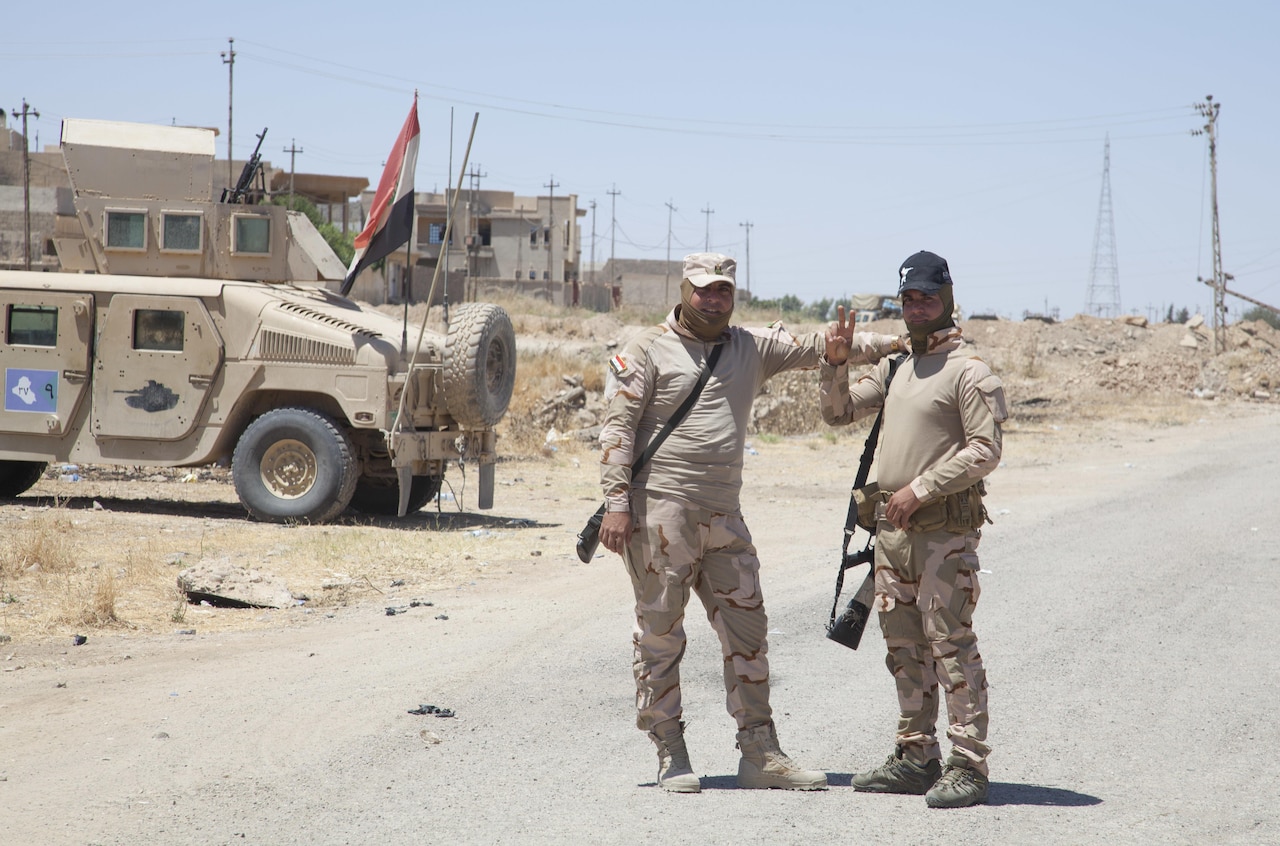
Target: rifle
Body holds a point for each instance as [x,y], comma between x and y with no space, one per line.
[846,629]
[252,168]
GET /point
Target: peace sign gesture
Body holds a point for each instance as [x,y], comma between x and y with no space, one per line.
[839,338]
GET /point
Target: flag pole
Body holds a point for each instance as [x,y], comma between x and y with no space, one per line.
[448,224]
[408,285]
[408,262]
[435,278]
[404,474]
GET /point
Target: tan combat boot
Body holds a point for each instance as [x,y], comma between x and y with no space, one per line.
[675,773]
[765,765]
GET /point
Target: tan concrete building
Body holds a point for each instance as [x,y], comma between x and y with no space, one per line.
[500,243]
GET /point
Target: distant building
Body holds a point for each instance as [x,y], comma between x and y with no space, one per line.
[48,195]
[499,243]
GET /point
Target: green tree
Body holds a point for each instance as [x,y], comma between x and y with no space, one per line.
[787,304]
[819,310]
[343,245]
[1266,315]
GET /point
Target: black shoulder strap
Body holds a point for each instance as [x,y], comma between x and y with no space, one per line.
[680,412]
[868,453]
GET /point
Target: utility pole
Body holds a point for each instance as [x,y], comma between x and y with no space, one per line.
[592,277]
[293,149]
[708,211]
[613,230]
[549,236]
[26,186]
[472,239]
[1209,110]
[1104,274]
[229,59]
[747,225]
[667,295]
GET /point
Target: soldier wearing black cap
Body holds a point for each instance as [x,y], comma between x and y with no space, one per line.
[941,437]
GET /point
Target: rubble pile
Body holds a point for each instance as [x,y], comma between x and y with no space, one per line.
[1047,368]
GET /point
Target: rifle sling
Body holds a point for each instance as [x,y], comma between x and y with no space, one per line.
[864,467]
[676,416]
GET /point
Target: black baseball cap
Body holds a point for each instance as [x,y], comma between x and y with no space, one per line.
[923,271]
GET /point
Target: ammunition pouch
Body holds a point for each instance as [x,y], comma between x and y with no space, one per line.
[866,499]
[958,512]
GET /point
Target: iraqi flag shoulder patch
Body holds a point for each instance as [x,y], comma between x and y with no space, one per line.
[618,365]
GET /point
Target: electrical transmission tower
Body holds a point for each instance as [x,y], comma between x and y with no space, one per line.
[1104,272]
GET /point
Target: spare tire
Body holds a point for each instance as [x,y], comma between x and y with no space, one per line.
[479,365]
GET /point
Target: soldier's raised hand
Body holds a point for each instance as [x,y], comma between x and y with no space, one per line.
[839,338]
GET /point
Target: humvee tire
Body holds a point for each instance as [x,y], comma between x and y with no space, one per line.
[381,495]
[479,365]
[17,477]
[294,464]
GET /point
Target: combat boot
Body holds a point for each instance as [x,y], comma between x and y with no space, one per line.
[765,765]
[959,787]
[899,775]
[675,773]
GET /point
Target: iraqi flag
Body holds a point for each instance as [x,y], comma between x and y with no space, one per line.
[391,219]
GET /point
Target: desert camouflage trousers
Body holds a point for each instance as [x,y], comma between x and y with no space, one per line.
[926,590]
[677,549]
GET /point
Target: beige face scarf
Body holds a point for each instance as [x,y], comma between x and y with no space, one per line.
[699,324]
[920,332]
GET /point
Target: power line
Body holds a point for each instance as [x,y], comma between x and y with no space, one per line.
[708,211]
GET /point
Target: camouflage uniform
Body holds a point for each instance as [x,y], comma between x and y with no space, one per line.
[690,534]
[941,437]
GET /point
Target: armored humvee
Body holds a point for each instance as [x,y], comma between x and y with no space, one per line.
[200,332]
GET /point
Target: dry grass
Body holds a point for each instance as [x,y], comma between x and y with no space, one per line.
[41,544]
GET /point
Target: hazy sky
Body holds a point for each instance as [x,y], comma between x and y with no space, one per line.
[849,135]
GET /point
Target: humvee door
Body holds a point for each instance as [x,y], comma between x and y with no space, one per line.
[157,358]
[44,354]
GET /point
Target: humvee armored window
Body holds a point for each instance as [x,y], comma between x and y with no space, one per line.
[32,326]
[252,235]
[126,229]
[158,329]
[181,232]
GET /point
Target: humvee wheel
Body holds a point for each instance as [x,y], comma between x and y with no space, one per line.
[17,477]
[381,495]
[479,365]
[294,464]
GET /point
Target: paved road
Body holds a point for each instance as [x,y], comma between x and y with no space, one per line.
[1126,620]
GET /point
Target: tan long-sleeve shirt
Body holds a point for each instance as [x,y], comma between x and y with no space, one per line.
[701,460]
[941,430]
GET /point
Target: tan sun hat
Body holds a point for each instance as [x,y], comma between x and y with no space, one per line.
[702,269]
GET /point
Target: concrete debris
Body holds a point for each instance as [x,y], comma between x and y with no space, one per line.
[234,587]
[433,710]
